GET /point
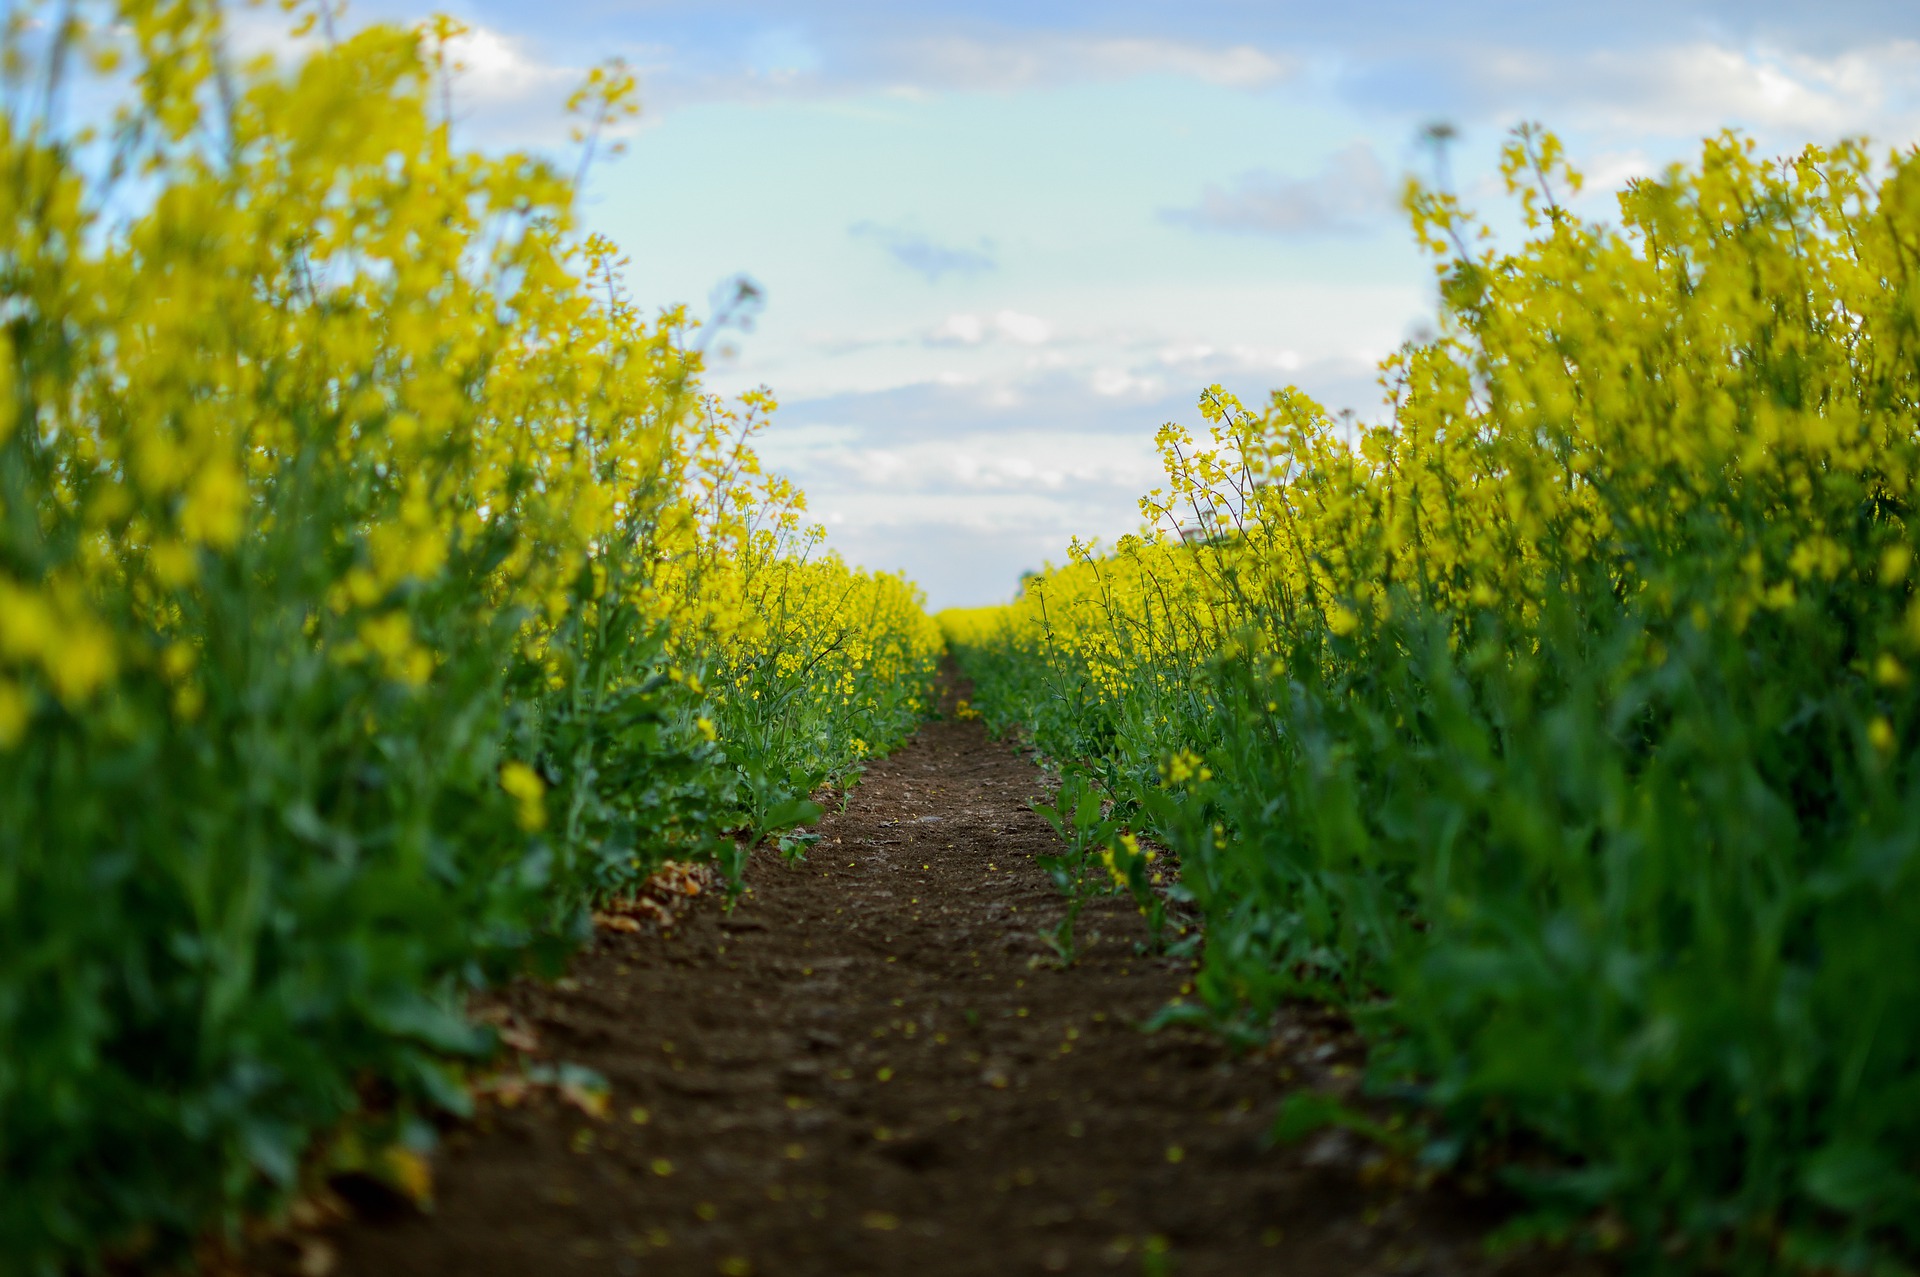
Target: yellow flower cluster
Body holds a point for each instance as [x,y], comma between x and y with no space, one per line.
[338,331]
[1562,728]
[1706,410]
[809,658]
[379,589]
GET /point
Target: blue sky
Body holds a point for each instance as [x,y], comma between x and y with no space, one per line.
[1001,243]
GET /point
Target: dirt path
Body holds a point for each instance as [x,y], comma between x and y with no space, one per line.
[865,1070]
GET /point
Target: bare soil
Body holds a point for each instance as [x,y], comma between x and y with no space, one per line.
[872,1066]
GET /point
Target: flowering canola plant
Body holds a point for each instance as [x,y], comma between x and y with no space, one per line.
[379,589]
[1562,727]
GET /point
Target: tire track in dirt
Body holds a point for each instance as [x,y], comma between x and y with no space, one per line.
[870,1067]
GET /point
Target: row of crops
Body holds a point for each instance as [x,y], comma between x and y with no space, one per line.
[379,590]
[1563,730]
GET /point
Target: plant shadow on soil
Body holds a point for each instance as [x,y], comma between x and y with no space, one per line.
[871,1066]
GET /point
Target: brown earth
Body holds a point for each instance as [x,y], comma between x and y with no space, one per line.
[871,1066]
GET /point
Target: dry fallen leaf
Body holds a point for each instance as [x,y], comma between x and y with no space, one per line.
[411,1173]
[615,922]
[593,1101]
[521,1039]
[317,1257]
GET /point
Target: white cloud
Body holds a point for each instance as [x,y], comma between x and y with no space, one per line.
[984,464]
[1115,383]
[1190,353]
[256,32]
[1028,330]
[1700,87]
[975,330]
[782,63]
[1609,171]
[967,482]
[959,330]
[495,70]
[504,93]
[1046,58]
[1238,356]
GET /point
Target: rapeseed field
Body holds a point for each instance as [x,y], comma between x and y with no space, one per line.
[1561,727]
[379,591]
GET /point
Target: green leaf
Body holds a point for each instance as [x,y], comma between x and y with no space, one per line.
[1854,1177]
[791,812]
[407,1014]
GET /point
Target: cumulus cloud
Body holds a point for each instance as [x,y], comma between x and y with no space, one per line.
[1350,193]
[1120,383]
[505,91]
[975,330]
[923,256]
[253,33]
[930,55]
[965,512]
[981,463]
[1025,59]
[497,69]
[1238,357]
[1028,330]
[965,482]
[1698,87]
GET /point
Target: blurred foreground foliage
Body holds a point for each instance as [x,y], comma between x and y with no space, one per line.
[1563,730]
